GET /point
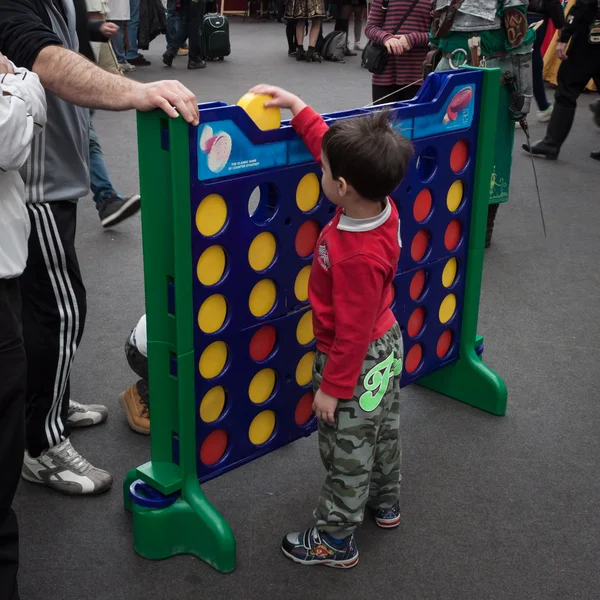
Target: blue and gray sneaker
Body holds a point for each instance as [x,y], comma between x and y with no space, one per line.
[312,547]
[388,517]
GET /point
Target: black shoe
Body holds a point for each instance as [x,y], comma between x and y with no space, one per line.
[313,56]
[196,63]
[115,209]
[595,154]
[169,57]
[300,54]
[139,61]
[542,148]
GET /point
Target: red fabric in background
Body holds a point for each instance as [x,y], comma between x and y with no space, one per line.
[549,34]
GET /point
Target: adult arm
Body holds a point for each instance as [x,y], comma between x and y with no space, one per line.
[75,79]
[556,13]
[374,29]
[22,115]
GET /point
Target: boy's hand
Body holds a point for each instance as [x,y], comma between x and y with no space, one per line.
[281,98]
[324,406]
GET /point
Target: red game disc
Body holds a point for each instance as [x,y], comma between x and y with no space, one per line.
[304,412]
[452,235]
[306,238]
[413,358]
[417,284]
[459,156]
[213,447]
[419,245]
[444,343]
[263,342]
[422,205]
[415,321]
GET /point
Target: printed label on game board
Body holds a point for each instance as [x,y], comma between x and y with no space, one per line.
[223,150]
[456,113]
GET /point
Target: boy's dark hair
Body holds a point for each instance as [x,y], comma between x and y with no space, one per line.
[368,153]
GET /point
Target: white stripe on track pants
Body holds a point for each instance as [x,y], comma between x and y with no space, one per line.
[54,309]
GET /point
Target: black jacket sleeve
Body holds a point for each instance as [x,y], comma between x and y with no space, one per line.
[579,18]
[23,33]
[555,11]
[94,31]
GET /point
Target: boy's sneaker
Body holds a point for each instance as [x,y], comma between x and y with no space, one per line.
[388,517]
[65,470]
[136,410]
[168,58]
[312,547]
[114,209]
[543,116]
[85,415]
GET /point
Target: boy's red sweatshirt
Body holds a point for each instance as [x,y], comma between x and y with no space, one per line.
[350,287]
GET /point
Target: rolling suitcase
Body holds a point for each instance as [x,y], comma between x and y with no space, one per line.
[215,36]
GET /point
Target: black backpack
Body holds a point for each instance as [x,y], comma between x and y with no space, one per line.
[333,46]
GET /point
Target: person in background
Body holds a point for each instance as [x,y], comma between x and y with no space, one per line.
[542,10]
[22,116]
[346,9]
[595,108]
[290,34]
[126,14]
[407,47]
[112,207]
[41,36]
[301,11]
[579,64]
[135,399]
[190,14]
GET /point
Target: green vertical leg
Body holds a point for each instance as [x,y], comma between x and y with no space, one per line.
[191,525]
[469,379]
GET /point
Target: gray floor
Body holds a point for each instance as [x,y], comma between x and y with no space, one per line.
[493,508]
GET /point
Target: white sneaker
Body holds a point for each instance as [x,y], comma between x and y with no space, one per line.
[65,470]
[358,47]
[126,67]
[543,116]
[84,415]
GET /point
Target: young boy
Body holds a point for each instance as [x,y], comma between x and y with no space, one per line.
[135,398]
[356,373]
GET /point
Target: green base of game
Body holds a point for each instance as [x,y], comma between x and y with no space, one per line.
[190,525]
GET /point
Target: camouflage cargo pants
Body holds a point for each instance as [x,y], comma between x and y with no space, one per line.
[361,451]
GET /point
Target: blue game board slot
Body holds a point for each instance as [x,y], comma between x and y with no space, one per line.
[207,105]
[164,134]
[172,364]
[175,447]
[263,217]
[273,369]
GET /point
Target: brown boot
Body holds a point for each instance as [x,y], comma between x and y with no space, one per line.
[135,410]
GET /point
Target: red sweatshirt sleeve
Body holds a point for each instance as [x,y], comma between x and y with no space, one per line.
[357,289]
[311,127]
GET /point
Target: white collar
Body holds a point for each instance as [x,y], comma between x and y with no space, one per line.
[359,225]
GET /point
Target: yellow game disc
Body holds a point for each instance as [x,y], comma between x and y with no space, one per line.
[212,313]
[301,284]
[262,297]
[211,265]
[262,251]
[213,359]
[447,308]
[262,386]
[262,427]
[212,404]
[304,369]
[211,215]
[307,192]
[265,118]
[455,196]
[304,330]
[449,273]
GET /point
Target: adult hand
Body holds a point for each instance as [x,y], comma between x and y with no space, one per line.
[6,65]
[324,406]
[394,46]
[561,48]
[109,30]
[280,98]
[170,96]
[404,41]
